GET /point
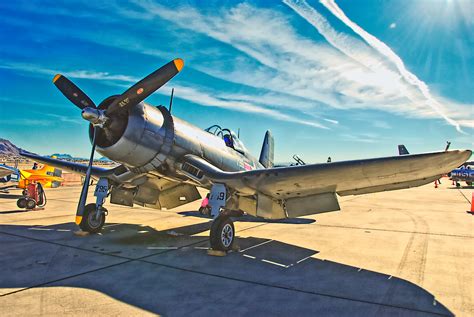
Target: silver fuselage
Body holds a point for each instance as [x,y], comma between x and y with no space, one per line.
[154,141]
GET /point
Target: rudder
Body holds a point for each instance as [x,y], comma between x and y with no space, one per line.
[402,150]
[267,153]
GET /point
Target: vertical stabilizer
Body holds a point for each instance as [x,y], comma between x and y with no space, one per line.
[402,150]
[266,155]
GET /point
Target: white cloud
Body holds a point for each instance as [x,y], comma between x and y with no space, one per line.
[390,55]
[193,94]
[393,25]
[353,76]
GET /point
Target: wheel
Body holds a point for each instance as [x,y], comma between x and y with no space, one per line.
[469,183]
[89,222]
[458,185]
[222,233]
[30,203]
[205,211]
[21,203]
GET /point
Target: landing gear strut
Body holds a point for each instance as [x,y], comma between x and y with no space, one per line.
[93,217]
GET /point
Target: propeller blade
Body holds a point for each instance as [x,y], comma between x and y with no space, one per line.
[72,92]
[85,187]
[146,86]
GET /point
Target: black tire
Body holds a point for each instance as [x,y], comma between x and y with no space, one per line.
[21,203]
[222,235]
[89,222]
[469,183]
[458,185]
[30,204]
[205,211]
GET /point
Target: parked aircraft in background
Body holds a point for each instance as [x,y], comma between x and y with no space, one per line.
[463,174]
[8,173]
[47,176]
[163,159]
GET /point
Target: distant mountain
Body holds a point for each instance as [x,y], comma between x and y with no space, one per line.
[8,148]
[105,159]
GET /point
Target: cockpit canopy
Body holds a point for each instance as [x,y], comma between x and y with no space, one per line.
[230,138]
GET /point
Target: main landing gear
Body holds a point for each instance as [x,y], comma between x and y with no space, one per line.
[93,218]
[222,236]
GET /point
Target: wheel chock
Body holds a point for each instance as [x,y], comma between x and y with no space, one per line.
[213,252]
[81,233]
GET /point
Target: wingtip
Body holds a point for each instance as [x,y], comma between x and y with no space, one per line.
[178,63]
[56,77]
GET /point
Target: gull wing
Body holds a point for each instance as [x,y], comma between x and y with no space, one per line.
[153,192]
[305,187]
[68,166]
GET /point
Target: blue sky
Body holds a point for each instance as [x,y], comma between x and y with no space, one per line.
[347,79]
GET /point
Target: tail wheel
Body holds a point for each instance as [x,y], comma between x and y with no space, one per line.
[205,211]
[222,233]
[21,203]
[30,204]
[89,222]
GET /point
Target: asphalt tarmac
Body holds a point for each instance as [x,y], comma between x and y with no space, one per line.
[400,253]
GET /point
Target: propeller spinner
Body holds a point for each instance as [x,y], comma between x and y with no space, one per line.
[104,119]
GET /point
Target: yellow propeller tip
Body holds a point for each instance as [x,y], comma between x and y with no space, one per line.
[56,77]
[78,220]
[179,63]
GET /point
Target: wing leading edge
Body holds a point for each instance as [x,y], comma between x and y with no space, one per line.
[309,185]
[68,166]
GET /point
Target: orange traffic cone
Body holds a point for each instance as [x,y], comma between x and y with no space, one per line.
[453,183]
[472,205]
[436,184]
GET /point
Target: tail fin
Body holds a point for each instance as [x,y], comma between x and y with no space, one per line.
[267,154]
[402,150]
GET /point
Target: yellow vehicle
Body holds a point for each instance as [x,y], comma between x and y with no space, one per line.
[47,176]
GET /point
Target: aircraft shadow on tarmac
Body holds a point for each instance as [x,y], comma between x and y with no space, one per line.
[169,272]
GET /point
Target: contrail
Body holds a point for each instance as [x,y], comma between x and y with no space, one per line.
[334,38]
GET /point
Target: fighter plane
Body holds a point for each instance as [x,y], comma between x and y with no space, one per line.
[164,158]
[463,174]
[8,173]
[47,176]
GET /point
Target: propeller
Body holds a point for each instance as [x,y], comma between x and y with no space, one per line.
[72,92]
[146,86]
[104,119]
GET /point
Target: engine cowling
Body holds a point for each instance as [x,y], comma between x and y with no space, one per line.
[141,139]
